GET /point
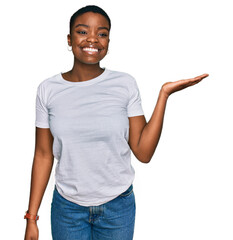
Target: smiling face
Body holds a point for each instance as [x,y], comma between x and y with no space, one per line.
[89,38]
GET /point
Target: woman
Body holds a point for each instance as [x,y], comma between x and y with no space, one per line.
[90,119]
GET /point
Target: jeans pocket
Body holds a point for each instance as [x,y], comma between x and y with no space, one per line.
[128,192]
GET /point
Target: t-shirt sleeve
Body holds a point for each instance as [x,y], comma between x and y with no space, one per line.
[134,107]
[42,116]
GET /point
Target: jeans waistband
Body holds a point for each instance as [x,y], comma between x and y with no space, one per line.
[127,191]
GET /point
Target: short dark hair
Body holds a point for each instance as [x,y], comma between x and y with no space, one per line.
[89,8]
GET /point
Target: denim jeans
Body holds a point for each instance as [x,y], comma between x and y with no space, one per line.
[113,220]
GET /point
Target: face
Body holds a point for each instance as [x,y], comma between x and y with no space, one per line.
[89,38]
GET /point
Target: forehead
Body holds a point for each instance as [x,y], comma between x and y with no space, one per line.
[92,19]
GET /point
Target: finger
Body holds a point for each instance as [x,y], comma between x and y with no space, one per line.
[193,83]
[202,76]
[197,79]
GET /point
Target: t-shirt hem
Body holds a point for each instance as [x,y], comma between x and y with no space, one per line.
[135,114]
[85,204]
[41,125]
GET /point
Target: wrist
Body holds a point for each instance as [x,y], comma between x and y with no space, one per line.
[163,93]
[29,216]
[31,221]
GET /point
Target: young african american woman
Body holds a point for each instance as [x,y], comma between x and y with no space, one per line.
[90,119]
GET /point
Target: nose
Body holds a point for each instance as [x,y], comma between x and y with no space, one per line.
[92,37]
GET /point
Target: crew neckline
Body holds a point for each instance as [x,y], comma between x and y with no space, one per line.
[84,83]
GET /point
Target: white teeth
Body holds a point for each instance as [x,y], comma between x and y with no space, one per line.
[90,49]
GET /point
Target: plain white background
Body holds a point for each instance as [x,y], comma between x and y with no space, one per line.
[185,192]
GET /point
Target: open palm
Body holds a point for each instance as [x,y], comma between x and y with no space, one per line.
[171,87]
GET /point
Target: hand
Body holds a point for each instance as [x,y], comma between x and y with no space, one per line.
[32,232]
[171,87]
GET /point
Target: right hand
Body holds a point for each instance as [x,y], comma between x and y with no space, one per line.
[32,232]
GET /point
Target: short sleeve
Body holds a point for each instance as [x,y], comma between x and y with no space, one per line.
[134,107]
[42,117]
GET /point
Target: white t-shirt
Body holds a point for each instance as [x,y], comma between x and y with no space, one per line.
[90,125]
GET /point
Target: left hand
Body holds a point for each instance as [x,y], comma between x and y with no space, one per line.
[171,87]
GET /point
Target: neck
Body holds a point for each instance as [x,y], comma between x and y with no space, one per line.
[84,72]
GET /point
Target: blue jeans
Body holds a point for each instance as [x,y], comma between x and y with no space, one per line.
[113,220]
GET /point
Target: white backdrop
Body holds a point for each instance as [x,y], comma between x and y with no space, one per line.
[186,191]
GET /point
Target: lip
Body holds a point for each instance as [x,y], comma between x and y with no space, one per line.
[90,46]
[91,52]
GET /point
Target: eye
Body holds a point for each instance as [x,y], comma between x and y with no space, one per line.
[81,32]
[103,34]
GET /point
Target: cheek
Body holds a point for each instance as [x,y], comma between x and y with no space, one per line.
[105,48]
[77,40]
[104,41]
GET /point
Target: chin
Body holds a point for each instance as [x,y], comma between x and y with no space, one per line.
[89,61]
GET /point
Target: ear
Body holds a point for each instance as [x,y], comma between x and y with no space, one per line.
[109,40]
[69,40]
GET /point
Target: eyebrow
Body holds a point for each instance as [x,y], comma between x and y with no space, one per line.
[84,25]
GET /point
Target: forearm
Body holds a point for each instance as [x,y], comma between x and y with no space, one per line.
[151,133]
[41,171]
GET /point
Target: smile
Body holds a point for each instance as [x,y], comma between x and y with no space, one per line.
[90,49]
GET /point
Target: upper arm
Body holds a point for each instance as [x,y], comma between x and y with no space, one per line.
[136,125]
[44,143]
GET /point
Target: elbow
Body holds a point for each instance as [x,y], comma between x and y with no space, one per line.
[144,160]
[147,161]
[143,156]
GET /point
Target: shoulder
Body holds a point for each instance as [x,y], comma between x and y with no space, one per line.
[50,80]
[123,75]
[46,87]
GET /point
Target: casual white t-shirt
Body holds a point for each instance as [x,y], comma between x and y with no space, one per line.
[90,125]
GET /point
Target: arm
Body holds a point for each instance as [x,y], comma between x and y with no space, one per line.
[41,170]
[148,133]
[144,137]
